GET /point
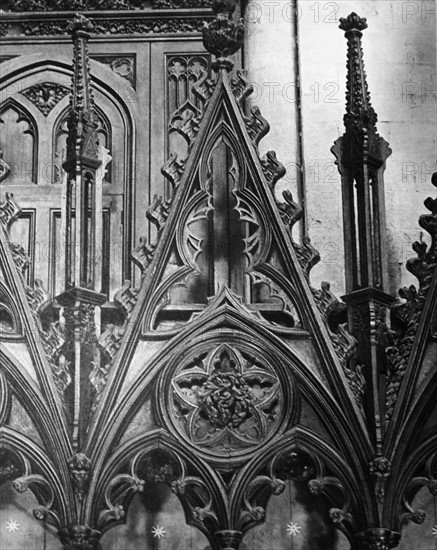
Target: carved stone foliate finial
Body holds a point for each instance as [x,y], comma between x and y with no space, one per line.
[80,24]
[359,110]
[222,37]
[353,22]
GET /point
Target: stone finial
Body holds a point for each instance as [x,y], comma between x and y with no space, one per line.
[359,110]
[80,24]
[222,37]
[353,22]
[82,123]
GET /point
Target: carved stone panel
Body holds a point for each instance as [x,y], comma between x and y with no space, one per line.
[46,95]
[225,400]
[124,66]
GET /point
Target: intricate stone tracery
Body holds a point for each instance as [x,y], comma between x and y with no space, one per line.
[224,400]
[235,348]
[45,96]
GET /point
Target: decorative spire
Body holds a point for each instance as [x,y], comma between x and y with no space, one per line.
[82,226]
[359,110]
[222,37]
[361,155]
[82,124]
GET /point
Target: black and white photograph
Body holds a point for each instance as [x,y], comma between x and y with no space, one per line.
[218,275]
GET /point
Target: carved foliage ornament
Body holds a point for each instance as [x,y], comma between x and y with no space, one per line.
[124,66]
[422,267]
[79,537]
[45,96]
[226,399]
[90,5]
[120,26]
[222,37]
[80,466]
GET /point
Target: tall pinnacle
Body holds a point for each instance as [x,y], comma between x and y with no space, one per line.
[359,111]
[222,37]
[361,156]
[82,229]
[82,125]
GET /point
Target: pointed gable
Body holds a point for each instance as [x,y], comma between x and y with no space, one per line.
[225,268]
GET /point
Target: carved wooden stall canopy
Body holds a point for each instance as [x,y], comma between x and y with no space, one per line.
[223,375]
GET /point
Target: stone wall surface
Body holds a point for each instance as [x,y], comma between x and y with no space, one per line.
[400,59]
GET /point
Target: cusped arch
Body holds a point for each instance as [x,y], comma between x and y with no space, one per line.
[325,473]
[411,474]
[37,472]
[10,323]
[110,85]
[222,321]
[204,505]
[23,115]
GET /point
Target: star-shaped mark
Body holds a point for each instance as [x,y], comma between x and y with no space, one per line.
[293,529]
[158,532]
[434,531]
[12,526]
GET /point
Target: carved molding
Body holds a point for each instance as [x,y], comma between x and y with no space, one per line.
[149,25]
[96,5]
[174,4]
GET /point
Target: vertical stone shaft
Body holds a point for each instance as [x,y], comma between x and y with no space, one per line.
[84,169]
[361,157]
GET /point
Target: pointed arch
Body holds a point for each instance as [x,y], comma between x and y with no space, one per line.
[36,471]
[199,489]
[322,468]
[227,321]
[111,86]
[23,115]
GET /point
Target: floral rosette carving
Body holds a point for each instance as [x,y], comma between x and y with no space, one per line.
[226,400]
